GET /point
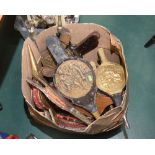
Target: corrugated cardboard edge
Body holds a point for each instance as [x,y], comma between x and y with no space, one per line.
[108,121]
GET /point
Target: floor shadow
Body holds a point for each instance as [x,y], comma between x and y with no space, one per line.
[9,39]
[53,133]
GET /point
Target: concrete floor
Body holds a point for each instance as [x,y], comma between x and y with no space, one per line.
[133,31]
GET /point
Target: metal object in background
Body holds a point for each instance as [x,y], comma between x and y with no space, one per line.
[150,42]
[21,26]
[32,25]
[72,19]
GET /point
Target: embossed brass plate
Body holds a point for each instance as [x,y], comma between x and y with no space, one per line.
[74,78]
[110,77]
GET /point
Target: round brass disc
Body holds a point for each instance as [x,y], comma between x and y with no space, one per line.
[74,78]
[110,78]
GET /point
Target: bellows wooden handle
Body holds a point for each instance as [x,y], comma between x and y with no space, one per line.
[102,55]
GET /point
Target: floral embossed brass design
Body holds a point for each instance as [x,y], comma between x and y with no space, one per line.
[74,78]
[110,78]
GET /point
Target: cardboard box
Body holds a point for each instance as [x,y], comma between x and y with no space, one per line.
[111,119]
